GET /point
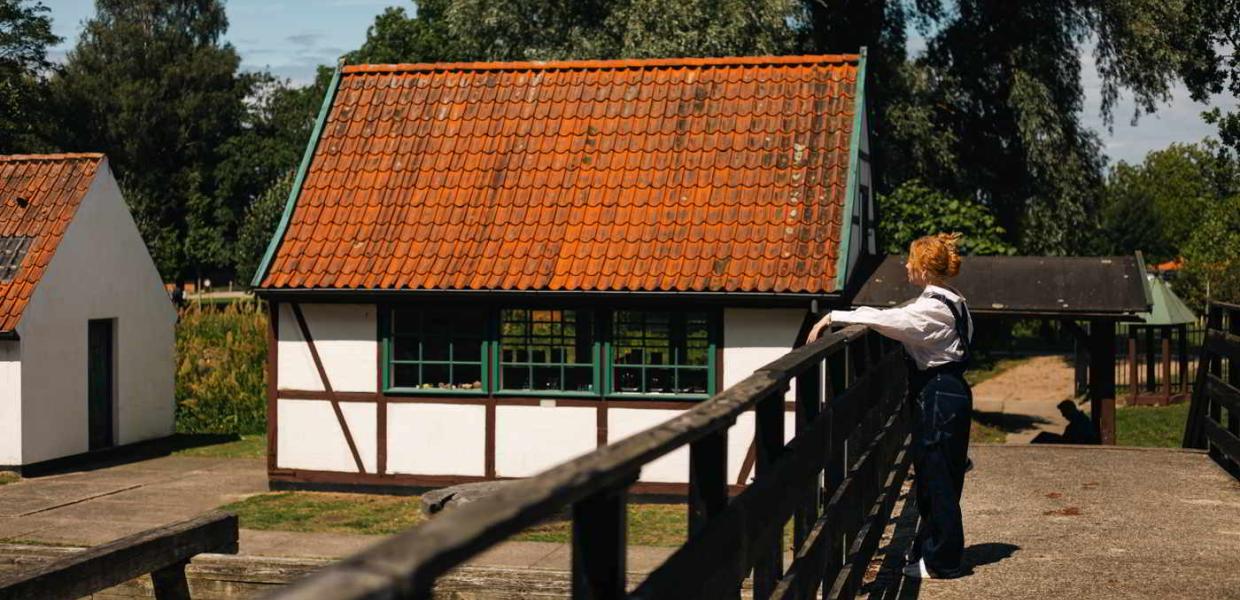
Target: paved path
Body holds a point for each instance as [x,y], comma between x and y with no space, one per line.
[1074,522]
[93,507]
[1022,400]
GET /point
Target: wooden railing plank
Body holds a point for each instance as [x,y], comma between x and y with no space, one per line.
[101,567]
[1223,440]
[726,538]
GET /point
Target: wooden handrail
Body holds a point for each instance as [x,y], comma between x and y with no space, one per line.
[406,565]
[163,552]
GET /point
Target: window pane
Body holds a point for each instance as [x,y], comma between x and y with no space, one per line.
[405,348]
[659,381]
[436,376]
[443,344]
[663,342]
[692,381]
[435,349]
[467,377]
[628,379]
[405,376]
[543,343]
[515,378]
[579,379]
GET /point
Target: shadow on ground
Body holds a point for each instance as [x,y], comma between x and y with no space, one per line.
[890,584]
[119,455]
[1008,423]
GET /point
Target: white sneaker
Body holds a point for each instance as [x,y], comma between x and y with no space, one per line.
[917,570]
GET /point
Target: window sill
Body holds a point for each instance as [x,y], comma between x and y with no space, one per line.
[432,392]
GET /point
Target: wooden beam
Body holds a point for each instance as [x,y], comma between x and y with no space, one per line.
[1102,378]
[160,550]
[327,386]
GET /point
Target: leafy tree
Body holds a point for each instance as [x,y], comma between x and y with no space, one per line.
[1157,206]
[259,225]
[25,34]
[1210,63]
[151,84]
[1212,255]
[913,210]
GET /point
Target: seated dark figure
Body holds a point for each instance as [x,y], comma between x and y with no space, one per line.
[1080,429]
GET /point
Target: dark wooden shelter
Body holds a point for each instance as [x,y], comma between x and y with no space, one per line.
[1088,294]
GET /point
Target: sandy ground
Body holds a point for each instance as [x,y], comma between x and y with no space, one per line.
[1022,400]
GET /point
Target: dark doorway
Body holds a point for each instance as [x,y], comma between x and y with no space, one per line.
[100,368]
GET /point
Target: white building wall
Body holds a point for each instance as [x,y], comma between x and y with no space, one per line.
[10,403]
[530,439]
[753,337]
[310,436]
[101,270]
[345,336]
[436,439]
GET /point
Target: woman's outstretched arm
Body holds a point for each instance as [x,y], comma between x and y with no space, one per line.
[917,323]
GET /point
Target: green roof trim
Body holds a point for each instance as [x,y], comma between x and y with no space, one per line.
[854,173]
[300,179]
[1166,307]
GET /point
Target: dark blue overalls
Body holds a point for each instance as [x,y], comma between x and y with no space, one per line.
[942,414]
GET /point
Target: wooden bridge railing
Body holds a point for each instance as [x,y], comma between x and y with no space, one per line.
[1218,389]
[836,481]
[163,552]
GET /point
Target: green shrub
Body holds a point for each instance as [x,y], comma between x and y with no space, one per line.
[221,375]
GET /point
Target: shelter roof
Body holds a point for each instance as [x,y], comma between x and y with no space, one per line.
[1054,286]
[39,195]
[1167,308]
[669,175]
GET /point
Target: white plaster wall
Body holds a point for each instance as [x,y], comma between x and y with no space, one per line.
[10,403]
[436,439]
[345,336]
[529,439]
[101,270]
[623,422]
[753,337]
[310,436]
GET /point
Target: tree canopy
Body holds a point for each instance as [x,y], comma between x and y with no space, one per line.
[25,34]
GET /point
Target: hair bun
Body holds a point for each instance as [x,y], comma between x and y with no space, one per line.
[937,255]
[950,242]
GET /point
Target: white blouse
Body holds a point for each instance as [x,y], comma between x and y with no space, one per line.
[925,326]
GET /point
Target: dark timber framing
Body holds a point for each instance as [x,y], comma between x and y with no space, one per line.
[382,480]
[853,430]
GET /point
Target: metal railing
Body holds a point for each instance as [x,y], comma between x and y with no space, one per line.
[836,481]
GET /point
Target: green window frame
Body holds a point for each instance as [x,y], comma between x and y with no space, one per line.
[547,351]
[435,350]
[662,354]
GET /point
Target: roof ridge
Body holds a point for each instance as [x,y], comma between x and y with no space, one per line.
[51,157]
[601,64]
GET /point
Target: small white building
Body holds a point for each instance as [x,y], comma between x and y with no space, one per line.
[86,329]
[486,269]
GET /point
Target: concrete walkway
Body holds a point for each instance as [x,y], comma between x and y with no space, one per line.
[1085,522]
[1022,400]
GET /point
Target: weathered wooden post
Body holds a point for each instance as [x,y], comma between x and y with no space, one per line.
[1102,377]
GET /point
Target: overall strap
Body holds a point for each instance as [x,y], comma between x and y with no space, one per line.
[961,317]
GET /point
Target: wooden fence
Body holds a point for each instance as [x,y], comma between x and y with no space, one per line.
[163,552]
[1214,417]
[836,481]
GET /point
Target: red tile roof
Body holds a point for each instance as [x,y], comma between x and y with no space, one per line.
[39,194]
[633,175]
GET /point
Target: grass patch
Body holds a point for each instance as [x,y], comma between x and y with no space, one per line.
[317,512]
[982,433]
[249,446]
[986,367]
[7,477]
[1151,426]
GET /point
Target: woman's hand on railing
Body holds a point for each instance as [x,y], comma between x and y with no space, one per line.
[816,331]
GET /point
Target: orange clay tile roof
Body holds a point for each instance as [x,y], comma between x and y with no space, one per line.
[635,175]
[51,186]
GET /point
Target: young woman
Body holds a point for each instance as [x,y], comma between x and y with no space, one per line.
[935,329]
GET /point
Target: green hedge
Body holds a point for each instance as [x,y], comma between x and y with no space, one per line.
[221,376]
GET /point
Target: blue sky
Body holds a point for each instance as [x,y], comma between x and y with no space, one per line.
[291,37]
